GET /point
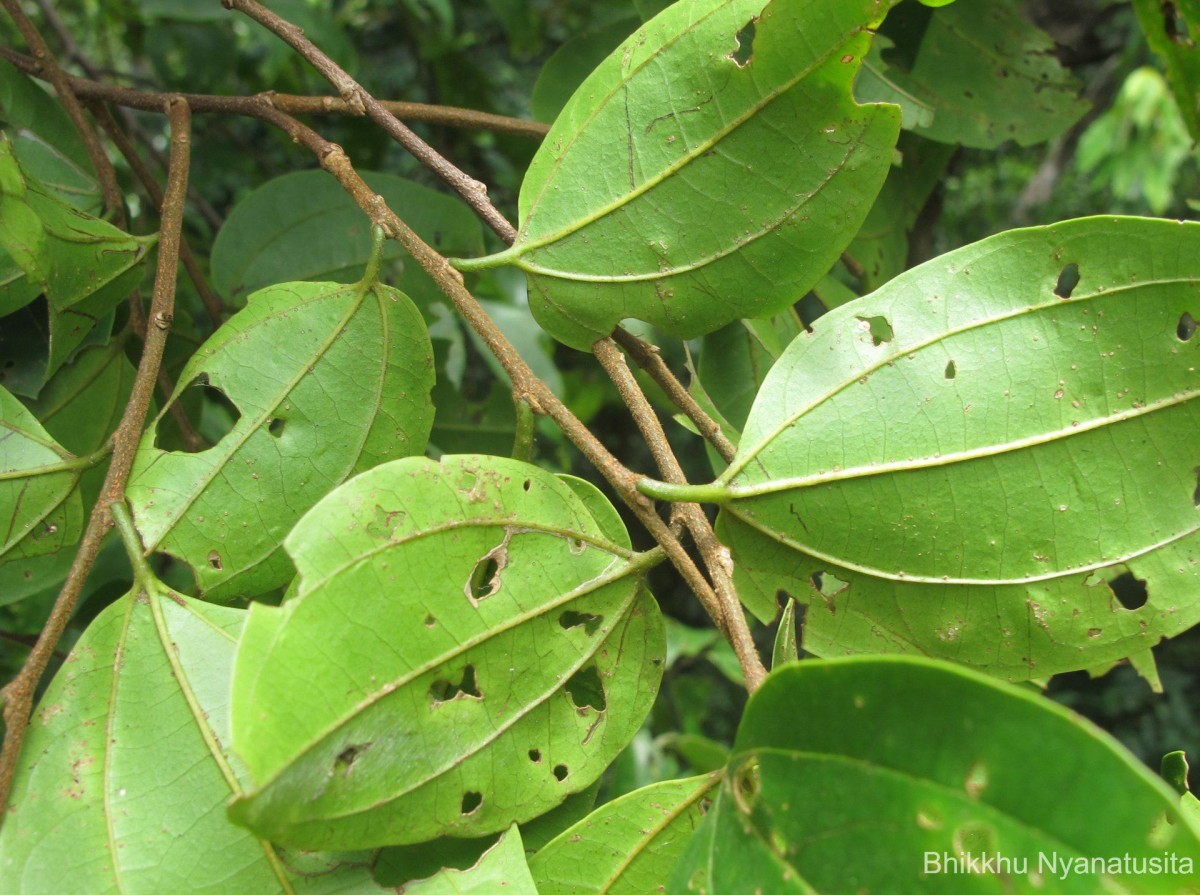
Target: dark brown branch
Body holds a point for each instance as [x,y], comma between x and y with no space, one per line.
[730,618]
[46,62]
[151,101]
[360,101]
[647,357]
[19,693]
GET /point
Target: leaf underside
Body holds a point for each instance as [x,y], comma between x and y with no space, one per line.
[913,762]
[451,618]
[704,172]
[125,773]
[341,381]
[992,459]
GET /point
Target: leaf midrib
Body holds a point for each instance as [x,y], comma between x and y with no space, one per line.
[752,452]
[523,246]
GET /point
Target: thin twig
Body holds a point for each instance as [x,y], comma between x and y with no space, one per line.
[526,385]
[46,63]
[731,620]
[647,357]
[212,304]
[152,101]
[360,101]
[19,693]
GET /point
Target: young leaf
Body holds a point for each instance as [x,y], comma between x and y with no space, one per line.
[626,847]
[124,775]
[989,75]
[40,508]
[82,265]
[329,380]
[475,648]
[992,459]
[873,774]
[711,168]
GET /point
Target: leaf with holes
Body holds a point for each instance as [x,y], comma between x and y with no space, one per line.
[628,846]
[451,618]
[988,74]
[713,167]
[83,266]
[915,764]
[39,499]
[125,763]
[991,459]
[325,380]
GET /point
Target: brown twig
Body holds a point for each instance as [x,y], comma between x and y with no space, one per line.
[212,304]
[152,101]
[19,693]
[46,63]
[647,357]
[360,101]
[731,620]
[526,385]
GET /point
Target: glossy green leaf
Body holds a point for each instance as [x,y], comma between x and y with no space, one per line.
[988,74]
[1171,29]
[124,774]
[82,265]
[626,847]
[305,226]
[698,176]
[329,380]
[874,774]
[984,458]
[452,618]
[45,141]
[502,868]
[40,508]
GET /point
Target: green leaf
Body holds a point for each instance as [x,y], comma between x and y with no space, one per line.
[914,764]
[45,141]
[989,75]
[698,176]
[305,226]
[1171,30]
[1174,770]
[329,380]
[40,508]
[122,783]
[83,266]
[626,847]
[501,868]
[976,460]
[512,633]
